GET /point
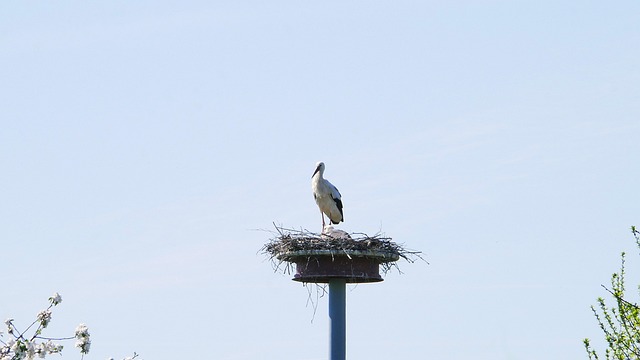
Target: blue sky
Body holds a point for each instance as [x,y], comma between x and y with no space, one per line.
[142,145]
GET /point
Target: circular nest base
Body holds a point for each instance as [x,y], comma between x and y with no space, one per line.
[354,266]
[335,254]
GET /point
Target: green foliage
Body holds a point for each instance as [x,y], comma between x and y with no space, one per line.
[619,322]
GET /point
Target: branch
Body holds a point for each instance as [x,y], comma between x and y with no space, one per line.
[618,297]
[54,339]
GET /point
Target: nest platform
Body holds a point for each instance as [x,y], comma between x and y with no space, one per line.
[354,266]
[335,254]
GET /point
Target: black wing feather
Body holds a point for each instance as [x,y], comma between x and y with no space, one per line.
[339,205]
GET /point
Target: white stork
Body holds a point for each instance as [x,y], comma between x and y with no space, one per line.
[327,196]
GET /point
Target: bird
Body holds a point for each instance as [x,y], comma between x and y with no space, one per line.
[331,233]
[327,196]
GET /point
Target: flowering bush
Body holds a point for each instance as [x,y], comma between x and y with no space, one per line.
[20,345]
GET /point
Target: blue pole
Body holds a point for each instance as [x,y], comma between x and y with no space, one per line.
[337,319]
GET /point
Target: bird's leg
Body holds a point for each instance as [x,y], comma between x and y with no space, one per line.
[323,224]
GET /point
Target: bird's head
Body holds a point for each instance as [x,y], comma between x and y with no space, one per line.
[319,168]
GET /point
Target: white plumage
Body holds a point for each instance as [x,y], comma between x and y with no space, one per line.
[327,196]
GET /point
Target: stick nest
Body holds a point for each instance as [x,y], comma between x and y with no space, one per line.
[291,240]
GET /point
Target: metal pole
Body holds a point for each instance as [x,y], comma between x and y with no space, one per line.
[337,319]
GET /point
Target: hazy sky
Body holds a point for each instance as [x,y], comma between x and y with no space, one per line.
[144,143]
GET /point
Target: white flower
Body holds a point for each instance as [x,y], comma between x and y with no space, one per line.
[83,340]
[82,331]
[46,348]
[9,323]
[53,348]
[18,349]
[41,350]
[44,317]
[5,350]
[30,351]
[55,299]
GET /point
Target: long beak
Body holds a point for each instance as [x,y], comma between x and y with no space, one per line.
[315,172]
